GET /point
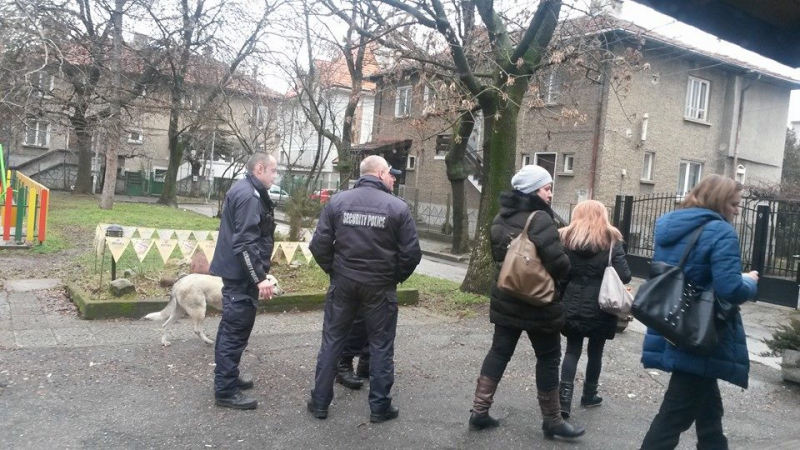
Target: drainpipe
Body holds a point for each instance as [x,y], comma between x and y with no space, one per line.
[739,126]
[598,126]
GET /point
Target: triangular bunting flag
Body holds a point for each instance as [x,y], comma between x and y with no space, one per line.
[99,244]
[187,247]
[200,235]
[141,247]
[166,247]
[208,248]
[183,235]
[128,231]
[117,246]
[214,235]
[146,233]
[288,250]
[278,256]
[165,234]
[306,251]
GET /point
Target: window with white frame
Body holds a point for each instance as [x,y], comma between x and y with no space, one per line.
[569,162]
[647,166]
[551,88]
[411,163]
[261,116]
[37,133]
[697,99]
[42,83]
[136,136]
[402,107]
[442,145]
[526,159]
[688,176]
[428,99]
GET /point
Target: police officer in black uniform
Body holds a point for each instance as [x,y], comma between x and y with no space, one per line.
[367,242]
[242,259]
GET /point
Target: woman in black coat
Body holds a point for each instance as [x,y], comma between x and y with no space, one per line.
[590,241]
[511,316]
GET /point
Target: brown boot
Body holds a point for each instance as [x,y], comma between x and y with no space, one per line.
[552,422]
[484,397]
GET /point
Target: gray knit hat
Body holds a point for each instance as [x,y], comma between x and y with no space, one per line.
[531,178]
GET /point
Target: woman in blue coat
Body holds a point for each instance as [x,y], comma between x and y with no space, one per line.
[693,393]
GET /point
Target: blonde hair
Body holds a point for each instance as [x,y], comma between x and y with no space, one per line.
[589,228]
[712,192]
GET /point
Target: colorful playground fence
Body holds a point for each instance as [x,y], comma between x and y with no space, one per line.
[24,208]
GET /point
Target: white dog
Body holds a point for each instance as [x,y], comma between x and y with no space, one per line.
[191,294]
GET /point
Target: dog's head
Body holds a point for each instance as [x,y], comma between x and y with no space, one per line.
[276,289]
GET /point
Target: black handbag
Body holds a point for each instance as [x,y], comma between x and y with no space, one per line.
[682,312]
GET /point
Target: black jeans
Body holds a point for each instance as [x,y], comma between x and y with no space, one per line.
[594,353]
[378,306]
[239,300]
[546,346]
[689,399]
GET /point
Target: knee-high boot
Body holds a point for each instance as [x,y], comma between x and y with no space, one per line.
[565,396]
[484,397]
[552,422]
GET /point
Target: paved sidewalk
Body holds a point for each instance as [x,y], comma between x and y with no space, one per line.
[71,383]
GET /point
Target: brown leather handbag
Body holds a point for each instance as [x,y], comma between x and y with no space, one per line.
[522,274]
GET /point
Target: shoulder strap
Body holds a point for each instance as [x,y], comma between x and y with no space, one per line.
[689,245]
[611,252]
[528,224]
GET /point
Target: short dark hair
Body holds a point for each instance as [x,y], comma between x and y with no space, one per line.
[258,158]
[712,192]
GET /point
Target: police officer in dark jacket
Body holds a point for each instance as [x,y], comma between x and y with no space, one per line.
[242,259]
[367,242]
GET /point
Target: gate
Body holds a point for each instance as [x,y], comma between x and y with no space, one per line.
[769,238]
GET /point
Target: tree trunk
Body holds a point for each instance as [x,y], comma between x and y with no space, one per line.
[169,195]
[83,182]
[499,162]
[458,171]
[114,137]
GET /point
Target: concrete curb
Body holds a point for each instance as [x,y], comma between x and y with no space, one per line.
[136,309]
[446,256]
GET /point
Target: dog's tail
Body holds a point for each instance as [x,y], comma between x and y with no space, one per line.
[167,311]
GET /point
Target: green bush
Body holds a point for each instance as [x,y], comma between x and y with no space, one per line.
[786,337]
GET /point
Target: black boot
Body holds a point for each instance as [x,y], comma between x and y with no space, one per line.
[590,397]
[565,396]
[390,413]
[362,370]
[345,375]
[484,397]
[236,401]
[552,423]
[244,382]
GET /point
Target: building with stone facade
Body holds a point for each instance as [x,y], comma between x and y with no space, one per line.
[684,113]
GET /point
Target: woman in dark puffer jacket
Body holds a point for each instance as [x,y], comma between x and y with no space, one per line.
[510,316]
[588,240]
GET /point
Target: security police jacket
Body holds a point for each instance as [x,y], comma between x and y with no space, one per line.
[367,234]
[244,244]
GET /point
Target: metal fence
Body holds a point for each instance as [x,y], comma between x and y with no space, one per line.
[768,230]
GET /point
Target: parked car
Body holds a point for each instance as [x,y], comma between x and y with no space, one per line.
[277,195]
[322,195]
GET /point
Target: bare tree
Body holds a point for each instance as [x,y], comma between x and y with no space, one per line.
[495,63]
[192,28]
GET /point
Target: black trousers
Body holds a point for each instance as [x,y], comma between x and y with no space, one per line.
[378,306]
[239,305]
[689,399]
[357,343]
[546,346]
[594,353]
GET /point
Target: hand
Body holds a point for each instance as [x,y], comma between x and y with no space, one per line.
[753,275]
[265,289]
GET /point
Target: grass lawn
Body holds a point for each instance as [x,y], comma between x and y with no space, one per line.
[71,228]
